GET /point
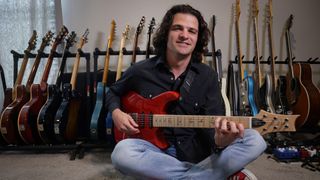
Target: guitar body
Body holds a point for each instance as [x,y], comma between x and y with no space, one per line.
[266,95]
[281,103]
[7,98]
[314,96]
[97,123]
[135,103]
[298,97]
[27,120]
[251,97]
[66,118]
[9,117]
[46,115]
[224,96]
[72,122]
[61,117]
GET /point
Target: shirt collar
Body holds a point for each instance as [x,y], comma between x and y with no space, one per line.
[192,66]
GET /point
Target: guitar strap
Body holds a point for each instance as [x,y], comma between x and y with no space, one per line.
[188,81]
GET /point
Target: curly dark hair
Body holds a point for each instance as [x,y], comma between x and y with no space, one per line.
[160,38]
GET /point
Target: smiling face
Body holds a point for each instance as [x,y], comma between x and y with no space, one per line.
[183,36]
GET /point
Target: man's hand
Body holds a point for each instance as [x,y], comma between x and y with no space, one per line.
[124,122]
[226,132]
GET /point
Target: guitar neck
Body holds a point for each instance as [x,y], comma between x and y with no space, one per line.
[272,57]
[289,52]
[48,66]
[213,44]
[74,75]
[34,68]
[135,46]
[22,69]
[62,66]
[148,46]
[257,55]
[241,77]
[190,121]
[119,67]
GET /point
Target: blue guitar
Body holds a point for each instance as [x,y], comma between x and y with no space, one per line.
[97,124]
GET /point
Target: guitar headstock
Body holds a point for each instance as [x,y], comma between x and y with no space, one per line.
[269,11]
[61,35]
[152,26]
[141,25]
[46,40]
[266,122]
[289,23]
[71,40]
[255,8]
[125,33]
[32,41]
[83,39]
[238,11]
[112,33]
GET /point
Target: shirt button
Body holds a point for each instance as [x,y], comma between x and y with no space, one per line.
[196,104]
[180,98]
[178,79]
[150,95]
[172,78]
[179,142]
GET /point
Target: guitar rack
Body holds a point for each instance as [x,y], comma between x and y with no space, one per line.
[309,61]
[77,148]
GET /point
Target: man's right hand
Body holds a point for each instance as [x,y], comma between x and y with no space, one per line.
[124,122]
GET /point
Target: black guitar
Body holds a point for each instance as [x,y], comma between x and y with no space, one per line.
[48,110]
[150,31]
[65,120]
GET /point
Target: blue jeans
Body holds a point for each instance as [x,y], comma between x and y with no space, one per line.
[142,160]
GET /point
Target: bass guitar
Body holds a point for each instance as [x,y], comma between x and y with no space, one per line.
[97,126]
[9,117]
[27,119]
[246,105]
[65,121]
[150,123]
[49,109]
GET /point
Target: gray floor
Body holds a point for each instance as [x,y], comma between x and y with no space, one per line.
[96,165]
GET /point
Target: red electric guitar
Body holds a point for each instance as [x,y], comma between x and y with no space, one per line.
[150,123]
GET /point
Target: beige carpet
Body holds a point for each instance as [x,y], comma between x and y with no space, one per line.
[96,165]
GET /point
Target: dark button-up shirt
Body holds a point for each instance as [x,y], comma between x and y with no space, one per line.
[201,96]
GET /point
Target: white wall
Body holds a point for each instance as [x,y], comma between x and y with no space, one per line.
[97,15]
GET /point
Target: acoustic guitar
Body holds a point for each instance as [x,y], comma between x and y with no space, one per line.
[150,123]
[9,117]
[297,91]
[27,119]
[66,119]
[49,109]
[302,93]
[97,123]
[150,31]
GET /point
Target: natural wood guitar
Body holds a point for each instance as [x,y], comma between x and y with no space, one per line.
[66,119]
[150,123]
[9,117]
[27,119]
